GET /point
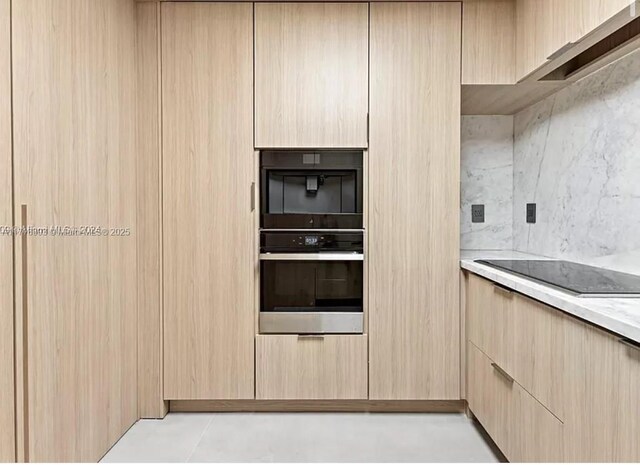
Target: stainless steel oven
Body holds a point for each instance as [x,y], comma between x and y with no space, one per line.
[311,282]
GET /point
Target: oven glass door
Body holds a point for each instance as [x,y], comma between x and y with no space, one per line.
[311,286]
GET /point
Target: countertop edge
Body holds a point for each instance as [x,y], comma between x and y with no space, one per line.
[584,309]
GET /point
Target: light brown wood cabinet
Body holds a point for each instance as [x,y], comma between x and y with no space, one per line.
[74,133]
[523,336]
[311,75]
[488,42]
[311,367]
[519,424]
[7,388]
[414,337]
[208,162]
[572,381]
[545,27]
[602,396]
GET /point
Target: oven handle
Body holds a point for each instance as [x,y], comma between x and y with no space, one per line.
[313,257]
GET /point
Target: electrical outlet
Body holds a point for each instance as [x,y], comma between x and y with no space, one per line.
[477,213]
[531,213]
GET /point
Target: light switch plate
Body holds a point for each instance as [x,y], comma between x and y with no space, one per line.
[477,213]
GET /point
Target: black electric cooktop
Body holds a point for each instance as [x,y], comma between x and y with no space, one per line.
[582,280]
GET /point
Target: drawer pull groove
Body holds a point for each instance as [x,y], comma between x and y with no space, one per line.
[503,290]
[303,337]
[629,343]
[503,373]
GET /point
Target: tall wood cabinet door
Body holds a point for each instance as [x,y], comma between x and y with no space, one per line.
[7,392]
[414,170]
[74,166]
[207,62]
[311,74]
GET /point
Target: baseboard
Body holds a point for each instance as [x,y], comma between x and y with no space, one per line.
[399,406]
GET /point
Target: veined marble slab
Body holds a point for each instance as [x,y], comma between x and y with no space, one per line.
[621,316]
[487,178]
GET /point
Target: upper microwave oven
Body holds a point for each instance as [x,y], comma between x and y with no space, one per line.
[311,189]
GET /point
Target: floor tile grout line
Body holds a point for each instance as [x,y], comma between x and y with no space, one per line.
[199,439]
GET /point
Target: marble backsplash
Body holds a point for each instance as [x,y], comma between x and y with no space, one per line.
[577,156]
[487,178]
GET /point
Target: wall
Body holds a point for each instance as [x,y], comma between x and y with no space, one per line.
[487,178]
[576,156]
[74,117]
[7,426]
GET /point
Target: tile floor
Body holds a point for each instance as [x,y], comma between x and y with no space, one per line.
[304,437]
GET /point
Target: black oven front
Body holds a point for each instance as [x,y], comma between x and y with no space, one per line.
[311,283]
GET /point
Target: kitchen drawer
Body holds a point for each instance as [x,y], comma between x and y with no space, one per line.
[490,397]
[490,323]
[538,352]
[311,367]
[523,429]
[523,336]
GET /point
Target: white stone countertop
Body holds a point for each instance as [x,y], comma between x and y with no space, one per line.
[618,315]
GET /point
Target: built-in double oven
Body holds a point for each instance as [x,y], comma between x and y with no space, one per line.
[311,242]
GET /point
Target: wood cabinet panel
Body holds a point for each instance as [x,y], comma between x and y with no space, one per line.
[490,398]
[74,165]
[538,345]
[320,368]
[311,74]
[601,396]
[7,392]
[208,167]
[491,320]
[628,431]
[414,340]
[489,42]
[587,15]
[150,364]
[523,429]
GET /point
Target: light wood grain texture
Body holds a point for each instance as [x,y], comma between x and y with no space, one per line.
[538,342]
[601,397]
[311,74]
[540,31]
[150,364]
[464,289]
[325,367]
[587,15]
[208,223]
[544,27]
[505,99]
[491,321]
[628,432]
[523,429]
[536,435]
[409,406]
[523,336]
[7,392]
[414,165]
[489,42]
[490,398]
[74,134]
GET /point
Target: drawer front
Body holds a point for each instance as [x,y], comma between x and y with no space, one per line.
[523,429]
[490,320]
[538,352]
[490,397]
[523,336]
[313,368]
